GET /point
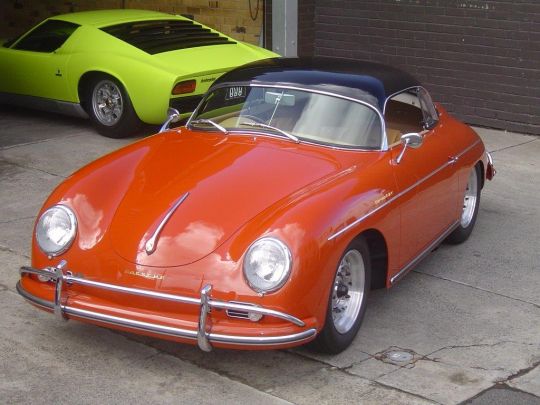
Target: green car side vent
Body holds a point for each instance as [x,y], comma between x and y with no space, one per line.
[166,35]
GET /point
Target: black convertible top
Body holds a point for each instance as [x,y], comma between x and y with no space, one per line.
[367,81]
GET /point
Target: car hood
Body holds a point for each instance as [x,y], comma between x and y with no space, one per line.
[226,181]
[210,59]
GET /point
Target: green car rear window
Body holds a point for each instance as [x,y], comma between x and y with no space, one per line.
[166,35]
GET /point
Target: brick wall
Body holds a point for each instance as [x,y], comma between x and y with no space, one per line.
[306,27]
[232,17]
[481,59]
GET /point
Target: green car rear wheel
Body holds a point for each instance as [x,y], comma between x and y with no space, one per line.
[110,108]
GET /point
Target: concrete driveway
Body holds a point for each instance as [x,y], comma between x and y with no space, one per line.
[468,316]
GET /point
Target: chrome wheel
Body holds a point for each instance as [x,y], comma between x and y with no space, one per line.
[348,291]
[107,102]
[470,200]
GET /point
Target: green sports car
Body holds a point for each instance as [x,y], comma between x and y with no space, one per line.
[118,67]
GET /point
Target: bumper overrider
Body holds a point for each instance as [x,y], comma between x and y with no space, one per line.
[62,279]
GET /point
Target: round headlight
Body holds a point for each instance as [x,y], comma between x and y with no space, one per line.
[56,230]
[267,265]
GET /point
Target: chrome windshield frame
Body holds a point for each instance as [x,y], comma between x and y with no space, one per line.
[384,138]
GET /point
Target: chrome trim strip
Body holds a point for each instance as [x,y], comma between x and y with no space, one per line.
[468,148]
[373,211]
[151,243]
[352,224]
[384,141]
[424,253]
[399,92]
[168,330]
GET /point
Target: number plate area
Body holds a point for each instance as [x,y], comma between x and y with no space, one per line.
[235,93]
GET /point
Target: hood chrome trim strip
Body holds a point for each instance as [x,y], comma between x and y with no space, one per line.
[151,244]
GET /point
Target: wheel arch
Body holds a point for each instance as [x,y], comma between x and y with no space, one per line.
[480,164]
[378,251]
[86,79]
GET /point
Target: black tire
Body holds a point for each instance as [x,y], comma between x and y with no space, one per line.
[330,339]
[109,107]
[468,218]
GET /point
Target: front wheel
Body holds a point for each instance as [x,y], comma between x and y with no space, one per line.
[347,300]
[471,203]
[110,108]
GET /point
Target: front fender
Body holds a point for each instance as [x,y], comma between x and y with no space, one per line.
[307,222]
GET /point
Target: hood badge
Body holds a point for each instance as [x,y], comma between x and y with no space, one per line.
[149,276]
[151,244]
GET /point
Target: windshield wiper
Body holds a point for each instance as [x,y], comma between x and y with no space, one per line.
[207,121]
[261,125]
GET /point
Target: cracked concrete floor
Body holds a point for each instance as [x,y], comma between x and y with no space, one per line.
[469,314]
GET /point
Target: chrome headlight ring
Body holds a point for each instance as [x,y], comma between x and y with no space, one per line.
[267,265]
[56,230]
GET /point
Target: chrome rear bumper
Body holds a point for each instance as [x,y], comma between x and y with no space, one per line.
[204,338]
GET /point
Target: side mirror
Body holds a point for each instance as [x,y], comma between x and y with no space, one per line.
[173,115]
[411,140]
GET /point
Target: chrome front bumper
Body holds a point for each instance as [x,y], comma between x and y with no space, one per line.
[204,338]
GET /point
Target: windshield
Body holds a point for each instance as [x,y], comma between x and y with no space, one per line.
[294,114]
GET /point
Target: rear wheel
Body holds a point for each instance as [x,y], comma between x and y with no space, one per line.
[347,300]
[110,108]
[471,203]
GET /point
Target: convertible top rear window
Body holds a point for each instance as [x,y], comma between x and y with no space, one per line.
[166,35]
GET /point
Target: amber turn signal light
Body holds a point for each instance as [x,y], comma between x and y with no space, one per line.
[187,86]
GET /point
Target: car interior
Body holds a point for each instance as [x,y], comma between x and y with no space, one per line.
[403,114]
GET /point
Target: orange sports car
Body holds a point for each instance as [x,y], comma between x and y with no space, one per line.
[296,186]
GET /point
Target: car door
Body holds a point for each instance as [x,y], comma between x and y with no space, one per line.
[35,63]
[425,175]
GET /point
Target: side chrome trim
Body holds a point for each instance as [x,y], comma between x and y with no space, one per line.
[151,244]
[468,148]
[387,202]
[402,193]
[168,330]
[44,104]
[424,253]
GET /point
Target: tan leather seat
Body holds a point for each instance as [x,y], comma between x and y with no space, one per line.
[393,134]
